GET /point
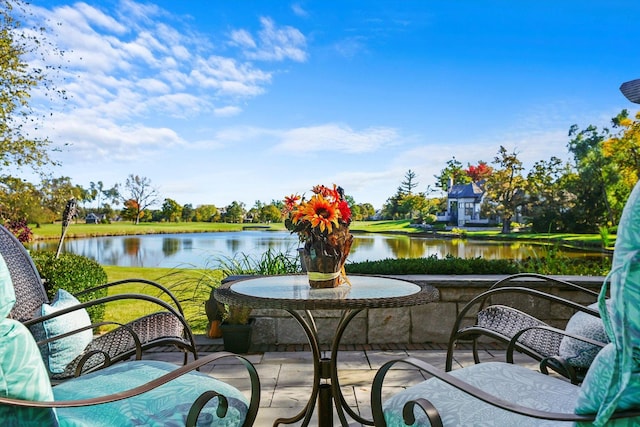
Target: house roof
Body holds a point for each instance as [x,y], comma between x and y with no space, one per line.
[466,191]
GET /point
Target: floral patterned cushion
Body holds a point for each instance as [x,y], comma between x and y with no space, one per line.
[613,380]
[167,405]
[23,376]
[579,353]
[510,382]
[59,353]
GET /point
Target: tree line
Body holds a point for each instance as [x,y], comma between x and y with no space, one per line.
[585,194]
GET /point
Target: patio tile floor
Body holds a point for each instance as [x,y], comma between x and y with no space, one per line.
[286,376]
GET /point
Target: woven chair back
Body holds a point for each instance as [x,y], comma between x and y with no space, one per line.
[30,292]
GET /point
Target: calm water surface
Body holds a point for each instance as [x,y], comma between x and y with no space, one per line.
[194,250]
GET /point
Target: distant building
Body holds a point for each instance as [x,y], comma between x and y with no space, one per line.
[92,218]
[463,204]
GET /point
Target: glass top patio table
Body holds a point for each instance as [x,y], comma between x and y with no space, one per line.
[292,292]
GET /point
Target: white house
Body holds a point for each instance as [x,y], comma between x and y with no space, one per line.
[463,204]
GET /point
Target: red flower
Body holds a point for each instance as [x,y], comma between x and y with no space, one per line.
[345,211]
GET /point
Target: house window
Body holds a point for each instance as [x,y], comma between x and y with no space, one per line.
[468,210]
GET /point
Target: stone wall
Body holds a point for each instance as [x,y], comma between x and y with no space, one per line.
[430,323]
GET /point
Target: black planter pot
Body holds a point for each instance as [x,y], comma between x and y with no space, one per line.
[237,338]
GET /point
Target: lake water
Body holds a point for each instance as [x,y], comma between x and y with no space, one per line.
[193,250]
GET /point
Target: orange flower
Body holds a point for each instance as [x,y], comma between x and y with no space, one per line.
[291,201]
[321,213]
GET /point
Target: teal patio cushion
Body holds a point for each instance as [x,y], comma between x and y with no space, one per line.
[23,376]
[614,377]
[164,406]
[514,383]
[579,353]
[59,353]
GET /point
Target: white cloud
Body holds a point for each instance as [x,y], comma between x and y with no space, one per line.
[138,62]
[91,137]
[336,137]
[299,10]
[227,111]
[275,43]
[243,38]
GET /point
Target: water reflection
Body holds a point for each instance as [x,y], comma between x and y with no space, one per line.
[170,246]
[206,249]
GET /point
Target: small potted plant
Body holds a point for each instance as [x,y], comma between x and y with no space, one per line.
[237,328]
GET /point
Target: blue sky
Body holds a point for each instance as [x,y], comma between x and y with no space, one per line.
[216,101]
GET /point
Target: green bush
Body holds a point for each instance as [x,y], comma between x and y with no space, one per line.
[73,273]
[433,265]
[551,265]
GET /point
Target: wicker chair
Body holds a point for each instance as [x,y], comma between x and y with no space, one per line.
[131,393]
[507,394]
[165,327]
[524,333]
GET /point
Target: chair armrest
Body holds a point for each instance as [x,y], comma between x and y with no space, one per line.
[479,302]
[164,290]
[107,299]
[555,362]
[544,278]
[157,382]
[432,413]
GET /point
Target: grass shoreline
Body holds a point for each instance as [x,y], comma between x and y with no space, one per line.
[587,242]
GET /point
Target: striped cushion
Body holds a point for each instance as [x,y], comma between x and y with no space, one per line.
[23,376]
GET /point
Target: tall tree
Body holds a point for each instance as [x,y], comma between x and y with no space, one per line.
[624,148]
[21,199]
[234,212]
[20,77]
[56,192]
[140,191]
[596,181]
[505,187]
[548,198]
[480,172]
[270,213]
[187,213]
[452,174]
[409,182]
[171,211]
[207,213]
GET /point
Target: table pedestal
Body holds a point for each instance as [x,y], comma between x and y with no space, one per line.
[326,391]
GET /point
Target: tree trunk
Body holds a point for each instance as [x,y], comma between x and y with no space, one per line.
[506,225]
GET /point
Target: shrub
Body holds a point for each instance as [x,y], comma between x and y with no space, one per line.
[73,273]
[552,264]
[433,265]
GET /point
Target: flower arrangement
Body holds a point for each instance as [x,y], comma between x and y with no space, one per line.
[322,224]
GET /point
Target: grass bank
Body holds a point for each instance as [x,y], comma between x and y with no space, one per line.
[80,230]
[182,282]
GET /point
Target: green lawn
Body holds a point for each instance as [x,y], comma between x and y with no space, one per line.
[191,287]
[76,230]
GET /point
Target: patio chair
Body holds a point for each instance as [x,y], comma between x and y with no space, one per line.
[82,351]
[505,394]
[131,393]
[567,351]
